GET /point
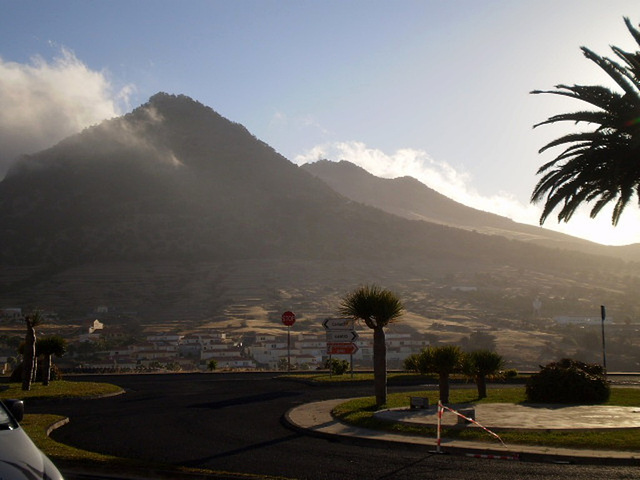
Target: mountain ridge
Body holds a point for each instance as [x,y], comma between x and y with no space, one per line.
[173,180]
[409,198]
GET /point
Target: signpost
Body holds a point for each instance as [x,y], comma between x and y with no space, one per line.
[341,338]
[338,324]
[342,349]
[288,319]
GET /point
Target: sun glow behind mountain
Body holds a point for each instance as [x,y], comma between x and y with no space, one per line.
[459,186]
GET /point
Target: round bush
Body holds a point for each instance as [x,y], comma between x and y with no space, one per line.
[568,381]
[337,367]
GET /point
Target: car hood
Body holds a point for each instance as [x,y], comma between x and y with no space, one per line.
[20,459]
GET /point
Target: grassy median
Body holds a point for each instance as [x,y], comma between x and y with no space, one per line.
[59,389]
[360,412]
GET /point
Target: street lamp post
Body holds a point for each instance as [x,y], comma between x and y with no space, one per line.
[603,314]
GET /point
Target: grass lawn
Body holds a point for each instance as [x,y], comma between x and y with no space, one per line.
[59,389]
[392,377]
[360,412]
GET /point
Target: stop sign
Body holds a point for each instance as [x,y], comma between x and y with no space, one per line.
[288,318]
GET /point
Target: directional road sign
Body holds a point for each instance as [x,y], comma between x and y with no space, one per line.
[341,336]
[338,324]
[341,348]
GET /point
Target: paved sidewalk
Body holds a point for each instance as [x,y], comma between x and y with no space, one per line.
[316,419]
[498,416]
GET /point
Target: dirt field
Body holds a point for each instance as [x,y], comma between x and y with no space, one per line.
[250,296]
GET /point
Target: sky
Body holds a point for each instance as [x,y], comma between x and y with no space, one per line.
[438,90]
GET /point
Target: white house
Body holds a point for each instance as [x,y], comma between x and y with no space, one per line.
[12,314]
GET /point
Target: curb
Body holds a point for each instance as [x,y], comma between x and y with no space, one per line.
[347,433]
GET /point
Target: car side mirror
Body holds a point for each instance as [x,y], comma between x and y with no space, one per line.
[16,407]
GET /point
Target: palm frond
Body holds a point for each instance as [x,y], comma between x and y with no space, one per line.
[601,165]
[635,33]
[617,72]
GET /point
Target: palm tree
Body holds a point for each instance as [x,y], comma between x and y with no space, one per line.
[601,165]
[481,363]
[29,353]
[377,308]
[48,347]
[443,360]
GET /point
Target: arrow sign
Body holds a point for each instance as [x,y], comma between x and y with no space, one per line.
[338,324]
[341,348]
[341,336]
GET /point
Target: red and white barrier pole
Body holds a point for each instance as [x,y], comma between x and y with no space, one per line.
[471,420]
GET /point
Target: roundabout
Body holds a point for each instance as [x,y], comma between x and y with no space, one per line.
[505,416]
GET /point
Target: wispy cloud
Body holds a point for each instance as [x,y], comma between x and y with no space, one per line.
[42,102]
[281,120]
[458,185]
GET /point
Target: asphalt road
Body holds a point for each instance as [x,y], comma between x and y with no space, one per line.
[232,422]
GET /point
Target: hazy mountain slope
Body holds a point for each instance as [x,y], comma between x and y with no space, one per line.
[173,180]
[409,198]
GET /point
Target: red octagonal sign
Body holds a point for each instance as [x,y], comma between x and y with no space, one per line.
[288,318]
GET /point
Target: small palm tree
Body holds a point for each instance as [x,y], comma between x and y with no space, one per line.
[443,360]
[47,347]
[29,352]
[377,308]
[212,365]
[600,165]
[481,363]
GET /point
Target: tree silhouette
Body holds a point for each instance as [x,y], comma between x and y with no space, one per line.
[480,363]
[443,360]
[48,347]
[600,165]
[29,354]
[377,308]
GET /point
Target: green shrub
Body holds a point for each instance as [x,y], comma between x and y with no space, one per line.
[16,375]
[337,367]
[412,363]
[568,381]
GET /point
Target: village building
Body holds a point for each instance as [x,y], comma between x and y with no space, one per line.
[11,314]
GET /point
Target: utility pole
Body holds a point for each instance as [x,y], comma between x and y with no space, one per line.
[603,314]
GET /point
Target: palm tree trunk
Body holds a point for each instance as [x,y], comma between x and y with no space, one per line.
[34,369]
[29,357]
[443,384]
[46,370]
[380,366]
[481,383]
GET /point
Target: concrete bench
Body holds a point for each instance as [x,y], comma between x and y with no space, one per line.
[418,402]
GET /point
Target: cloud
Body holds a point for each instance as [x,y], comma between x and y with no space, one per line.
[282,121]
[132,135]
[458,185]
[437,175]
[42,102]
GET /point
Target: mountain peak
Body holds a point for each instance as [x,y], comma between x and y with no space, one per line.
[167,102]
